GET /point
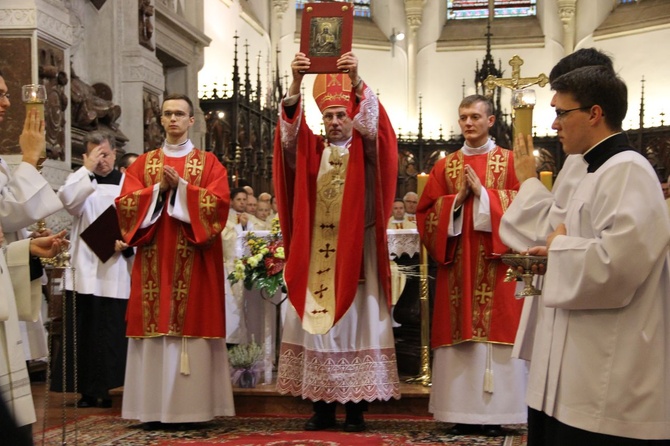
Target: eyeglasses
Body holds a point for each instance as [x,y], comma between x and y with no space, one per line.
[177,114]
[4,95]
[328,117]
[560,113]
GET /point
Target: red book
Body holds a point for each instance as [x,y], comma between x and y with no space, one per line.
[102,234]
[326,33]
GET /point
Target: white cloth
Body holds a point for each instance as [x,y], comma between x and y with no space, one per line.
[602,341]
[355,360]
[86,200]
[155,390]
[457,392]
[14,380]
[236,325]
[25,198]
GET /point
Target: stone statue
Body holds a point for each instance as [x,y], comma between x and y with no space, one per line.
[88,109]
[146,26]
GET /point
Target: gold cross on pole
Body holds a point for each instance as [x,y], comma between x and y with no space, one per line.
[516,82]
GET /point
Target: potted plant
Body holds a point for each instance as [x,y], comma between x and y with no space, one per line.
[243,359]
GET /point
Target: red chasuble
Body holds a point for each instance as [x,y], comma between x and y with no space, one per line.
[177,284]
[472,301]
[295,176]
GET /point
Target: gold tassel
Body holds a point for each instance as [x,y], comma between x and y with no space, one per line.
[184,369]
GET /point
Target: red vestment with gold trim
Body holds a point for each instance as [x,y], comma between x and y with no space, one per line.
[177,285]
[295,178]
[472,301]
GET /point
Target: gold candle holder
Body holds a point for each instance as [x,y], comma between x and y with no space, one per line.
[34,96]
[523,102]
[425,375]
[547,178]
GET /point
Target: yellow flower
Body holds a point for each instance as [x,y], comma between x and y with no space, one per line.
[279,253]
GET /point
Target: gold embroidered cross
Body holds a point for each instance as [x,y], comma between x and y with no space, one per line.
[327,251]
[431,222]
[151,290]
[483,294]
[320,291]
[454,167]
[497,164]
[208,204]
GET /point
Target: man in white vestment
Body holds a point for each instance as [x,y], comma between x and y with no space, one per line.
[25,197]
[601,336]
[411,200]
[102,284]
[399,218]
[238,222]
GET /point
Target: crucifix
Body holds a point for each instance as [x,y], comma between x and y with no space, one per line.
[516,82]
[523,98]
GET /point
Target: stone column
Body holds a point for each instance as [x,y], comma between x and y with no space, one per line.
[414,12]
[566,10]
[276,20]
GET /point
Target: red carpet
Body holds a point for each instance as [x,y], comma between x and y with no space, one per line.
[271,430]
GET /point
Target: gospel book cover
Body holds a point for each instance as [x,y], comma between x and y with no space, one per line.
[326,34]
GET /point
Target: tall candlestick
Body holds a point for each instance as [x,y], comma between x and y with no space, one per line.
[421,180]
[547,178]
[34,96]
[523,102]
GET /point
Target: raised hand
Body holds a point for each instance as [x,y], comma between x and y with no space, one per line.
[524,160]
[32,140]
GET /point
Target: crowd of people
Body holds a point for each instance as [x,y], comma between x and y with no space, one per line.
[584,363]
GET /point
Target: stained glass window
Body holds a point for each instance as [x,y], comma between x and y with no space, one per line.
[361,7]
[479,9]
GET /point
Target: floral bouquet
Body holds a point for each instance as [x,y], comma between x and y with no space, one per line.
[263,268]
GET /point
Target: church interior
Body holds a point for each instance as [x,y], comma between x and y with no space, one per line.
[107,64]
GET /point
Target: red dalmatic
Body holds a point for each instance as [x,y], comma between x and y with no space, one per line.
[177,284]
[472,301]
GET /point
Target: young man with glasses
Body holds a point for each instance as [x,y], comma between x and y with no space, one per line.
[173,205]
[598,367]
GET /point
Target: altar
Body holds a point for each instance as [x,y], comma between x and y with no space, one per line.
[261,317]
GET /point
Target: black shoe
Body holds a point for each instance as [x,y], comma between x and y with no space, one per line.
[151,426]
[86,402]
[320,422]
[464,429]
[492,430]
[356,425]
[105,403]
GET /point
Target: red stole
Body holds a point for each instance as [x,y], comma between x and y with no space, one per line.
[472,300]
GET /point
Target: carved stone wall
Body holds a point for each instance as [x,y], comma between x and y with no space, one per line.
[15,60]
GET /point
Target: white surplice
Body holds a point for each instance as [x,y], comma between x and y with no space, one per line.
[14,380]
[602,341]
[25,198]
